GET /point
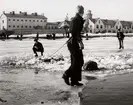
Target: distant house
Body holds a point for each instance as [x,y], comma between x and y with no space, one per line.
[51,25]
[105,25]
[12,21]
[99,26]
[92,25]
[109,25]
[127,26]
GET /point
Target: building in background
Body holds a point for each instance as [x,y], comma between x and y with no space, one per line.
[98,25]
[22,21]
[12,20]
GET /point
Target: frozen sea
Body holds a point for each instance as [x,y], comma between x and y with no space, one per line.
[37,81]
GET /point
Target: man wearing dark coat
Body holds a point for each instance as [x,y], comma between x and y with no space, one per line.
[37,47]
[120,37]
[75,47]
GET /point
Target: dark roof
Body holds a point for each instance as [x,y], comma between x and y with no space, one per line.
[25,16]
[109,22]
[93,20]
[126,23]
[52,23]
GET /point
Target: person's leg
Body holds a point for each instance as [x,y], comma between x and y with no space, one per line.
[76,74]
[119,43]
[67,73]
[35,51]
[41,52]
[122,43]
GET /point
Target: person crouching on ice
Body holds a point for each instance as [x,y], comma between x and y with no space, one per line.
[37,47]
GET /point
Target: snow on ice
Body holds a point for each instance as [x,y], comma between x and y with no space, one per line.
[110,64]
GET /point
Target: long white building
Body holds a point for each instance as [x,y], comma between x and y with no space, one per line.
[22,20]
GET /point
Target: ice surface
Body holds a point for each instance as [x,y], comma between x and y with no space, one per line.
[104,51]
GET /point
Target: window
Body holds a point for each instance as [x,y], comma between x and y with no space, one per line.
[9,26]
[9,19]
[33,20]
[17,19]
[17,26]
[97,26]
[25,26]
[116,27]
[41,21]
[90,26]
[44,20]
[14,26]
[2,21]
[29,26]
[37,20]
[101,26]
[29,20]
[21,26]
[13,19]
[22,20]
[26,20]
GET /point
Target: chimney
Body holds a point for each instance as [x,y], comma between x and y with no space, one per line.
[20,12]
[35,14]
[13,12]
[25,13]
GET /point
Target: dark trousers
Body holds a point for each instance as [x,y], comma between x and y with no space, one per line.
[120,43]
[75,69]
[38,50]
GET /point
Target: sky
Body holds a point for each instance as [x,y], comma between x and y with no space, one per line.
[56,10]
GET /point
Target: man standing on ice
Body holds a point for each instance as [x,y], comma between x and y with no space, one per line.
[75,46]
[37,47]
[120,37]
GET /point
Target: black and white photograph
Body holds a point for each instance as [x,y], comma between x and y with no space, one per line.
[66,52]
